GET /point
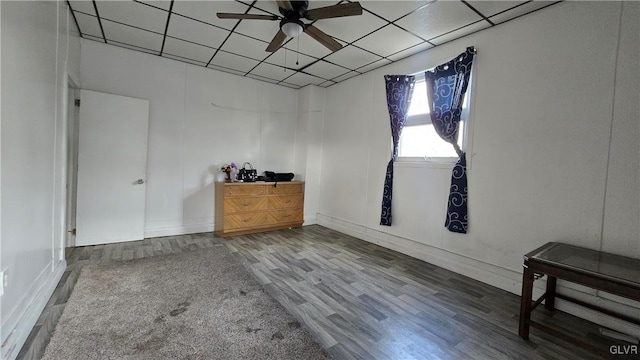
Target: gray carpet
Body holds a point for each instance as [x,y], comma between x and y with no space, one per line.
[199,304]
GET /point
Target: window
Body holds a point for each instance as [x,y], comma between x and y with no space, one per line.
[419,140]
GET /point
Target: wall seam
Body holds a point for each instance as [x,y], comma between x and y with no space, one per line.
[184,139]
[55,140]
[613,103]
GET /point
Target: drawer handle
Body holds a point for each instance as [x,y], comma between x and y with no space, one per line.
[286,202]
[246,220]
[284,216]
[246,204]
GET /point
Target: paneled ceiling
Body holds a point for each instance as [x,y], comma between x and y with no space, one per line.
[387,31]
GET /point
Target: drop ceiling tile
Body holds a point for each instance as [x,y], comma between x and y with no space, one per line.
[271,71]
[261,78]
[83,6]
[482,24]
[131,47]
[438,18]
[232,61]
[388,40]
[95,38]
[352,57]
[132,36]
[206,11]
[301,79]
[133,13]
[392,10]
[195,31]
[259,29]
[310,46]
[410,51]
[520,10]
[226,69]
[346,76]
[188,50]
[374,65]
[290,85]
[327,83]
[325,70]
[350,28]
[246,46]
[88,25]
[287,58]
[165,5]
[182,59]
[265,6]
[490,8]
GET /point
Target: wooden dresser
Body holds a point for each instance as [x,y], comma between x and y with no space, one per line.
[243,208]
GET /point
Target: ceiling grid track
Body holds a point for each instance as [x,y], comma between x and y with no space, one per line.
[95,7]
[73,14]
[229,35]
[166,27]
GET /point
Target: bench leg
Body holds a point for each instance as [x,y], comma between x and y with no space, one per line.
[525,303]
[550,298]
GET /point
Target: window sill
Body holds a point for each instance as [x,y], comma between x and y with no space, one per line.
[431,163]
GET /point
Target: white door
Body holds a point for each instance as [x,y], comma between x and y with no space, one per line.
[112,163]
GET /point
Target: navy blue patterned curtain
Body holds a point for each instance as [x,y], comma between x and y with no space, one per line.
[399,90]
[446,87]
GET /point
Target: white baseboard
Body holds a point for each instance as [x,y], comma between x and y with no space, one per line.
[21,320]
[171,230]
[505,279]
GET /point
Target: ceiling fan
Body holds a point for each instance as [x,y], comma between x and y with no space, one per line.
[291,24]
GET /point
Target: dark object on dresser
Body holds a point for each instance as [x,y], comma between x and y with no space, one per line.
[274,176]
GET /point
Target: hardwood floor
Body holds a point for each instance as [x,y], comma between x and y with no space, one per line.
[359,300]
[362,301]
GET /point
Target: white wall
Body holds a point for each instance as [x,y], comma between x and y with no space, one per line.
[546,93]
[308,152]
[199,119]
[34,72]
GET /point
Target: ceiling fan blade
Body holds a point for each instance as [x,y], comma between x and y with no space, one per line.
[322,38]
[348,9]
[246,16]
[285,4]
[276,42]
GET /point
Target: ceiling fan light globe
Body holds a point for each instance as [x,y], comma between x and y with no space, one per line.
[291,29]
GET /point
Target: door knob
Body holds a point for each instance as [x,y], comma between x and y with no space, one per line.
[140,181]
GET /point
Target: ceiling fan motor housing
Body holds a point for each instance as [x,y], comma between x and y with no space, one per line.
[298,11]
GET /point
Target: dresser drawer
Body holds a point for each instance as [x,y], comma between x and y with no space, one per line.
[288,215]
[244,190]
[285,188]
[248,220]
[244,204]
[286,201]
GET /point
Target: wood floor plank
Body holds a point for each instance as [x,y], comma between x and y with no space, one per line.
[417,308]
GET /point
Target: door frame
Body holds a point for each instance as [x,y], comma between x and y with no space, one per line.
[73,122]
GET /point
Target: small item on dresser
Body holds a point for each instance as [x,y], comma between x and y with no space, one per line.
[247,174]
[229,170]
[274,176]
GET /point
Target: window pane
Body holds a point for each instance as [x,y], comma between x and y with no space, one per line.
[423,141]
[419,104]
